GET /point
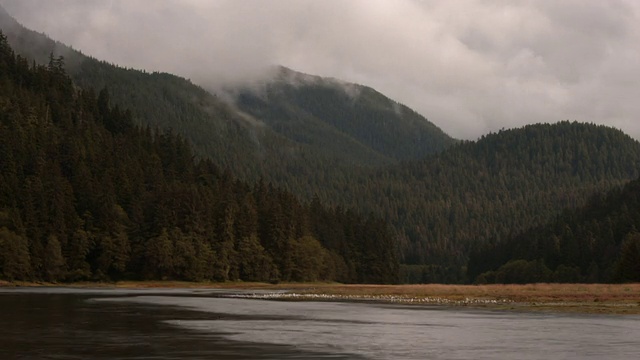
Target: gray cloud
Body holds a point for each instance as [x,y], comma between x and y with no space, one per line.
[469,66]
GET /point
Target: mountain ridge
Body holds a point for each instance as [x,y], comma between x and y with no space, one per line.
[297,104]
[440,204]
[87,195]
[205,109]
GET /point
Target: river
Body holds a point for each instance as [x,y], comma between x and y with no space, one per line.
[65,323]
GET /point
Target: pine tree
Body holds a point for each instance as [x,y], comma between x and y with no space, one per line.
[628,267]
[14,256]
[53,261]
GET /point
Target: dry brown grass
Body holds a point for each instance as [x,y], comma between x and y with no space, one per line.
[591,298]
[583,298]
[515,293]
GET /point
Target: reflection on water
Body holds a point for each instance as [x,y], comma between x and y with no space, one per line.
[201,325]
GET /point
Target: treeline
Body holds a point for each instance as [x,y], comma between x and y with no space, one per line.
[87,195]
[599,242]
[440,207]
[486,190]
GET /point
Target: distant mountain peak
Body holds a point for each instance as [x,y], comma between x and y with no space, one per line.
[284,75]
[346,119]
[5,17]
[290,76]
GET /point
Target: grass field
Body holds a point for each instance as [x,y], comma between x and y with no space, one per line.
[585,298]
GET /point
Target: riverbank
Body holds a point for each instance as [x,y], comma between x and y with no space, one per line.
[579,298]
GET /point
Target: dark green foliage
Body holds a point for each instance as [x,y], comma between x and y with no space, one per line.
[594,243]
[254,264]
[315,137]
[361,125]
[14,255]
[483,191]
[628,266]
[87,195]
[309,257]
[518,272]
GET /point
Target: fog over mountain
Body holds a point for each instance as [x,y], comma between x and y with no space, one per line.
[469,66]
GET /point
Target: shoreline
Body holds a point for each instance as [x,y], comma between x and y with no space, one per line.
[618,299]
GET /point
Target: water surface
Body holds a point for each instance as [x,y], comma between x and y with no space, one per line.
[59,323]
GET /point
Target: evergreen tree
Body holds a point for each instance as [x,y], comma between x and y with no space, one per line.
[628,266]
[14,256]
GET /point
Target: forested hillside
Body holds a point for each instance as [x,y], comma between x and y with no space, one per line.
[166,101]
[283,150]
[346,120]
[599,242]
[320,138]
[87,195]
[499,185]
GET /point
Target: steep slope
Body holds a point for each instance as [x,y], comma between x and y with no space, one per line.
[502,184]
[234,141]
[598,242]
[273,143]
[321,111]
[86,195]
[162,101]
[441,206]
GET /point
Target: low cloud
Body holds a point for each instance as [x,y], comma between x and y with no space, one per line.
[469,66]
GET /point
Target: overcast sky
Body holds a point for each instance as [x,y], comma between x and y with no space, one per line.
[469,66]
